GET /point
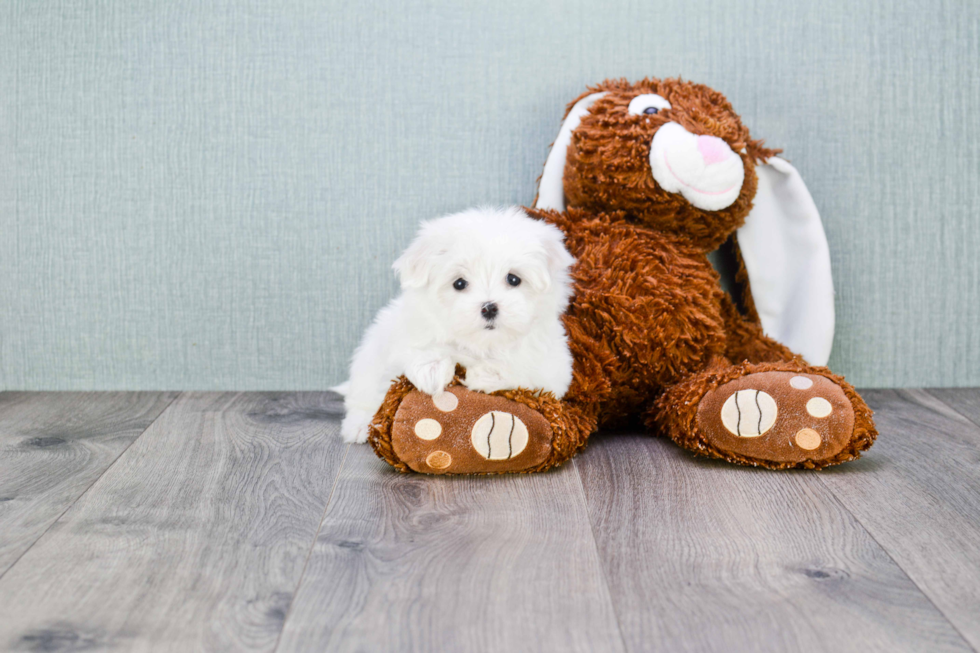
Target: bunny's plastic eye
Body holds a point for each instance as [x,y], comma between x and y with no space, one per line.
[460,284]
[648,104]
[513,280]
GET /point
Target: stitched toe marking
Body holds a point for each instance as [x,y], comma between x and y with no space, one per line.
[499,435]
[439,460]
[819,407]
[801,383]
[749,413]
[808,439]
[428,429]
[446,402]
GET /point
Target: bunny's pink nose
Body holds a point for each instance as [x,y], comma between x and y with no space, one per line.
[713,149]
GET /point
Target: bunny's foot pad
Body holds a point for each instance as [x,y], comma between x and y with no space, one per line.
[466,432]
[778,417]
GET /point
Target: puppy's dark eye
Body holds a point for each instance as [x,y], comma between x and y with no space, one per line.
[513,280]
[651,110]
[460,284]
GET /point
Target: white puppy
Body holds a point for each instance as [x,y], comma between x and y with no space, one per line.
[484,288]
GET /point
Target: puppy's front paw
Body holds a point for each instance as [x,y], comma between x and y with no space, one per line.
[484,379]
[355,426]
[432,377]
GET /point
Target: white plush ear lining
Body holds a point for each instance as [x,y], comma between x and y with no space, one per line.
[551,190]
[787,259]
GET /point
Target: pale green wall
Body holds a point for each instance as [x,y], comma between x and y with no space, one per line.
[209,194]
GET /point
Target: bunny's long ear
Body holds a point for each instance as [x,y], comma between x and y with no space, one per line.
[787,259]
[551,190]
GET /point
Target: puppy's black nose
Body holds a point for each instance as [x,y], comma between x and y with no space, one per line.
[489,311]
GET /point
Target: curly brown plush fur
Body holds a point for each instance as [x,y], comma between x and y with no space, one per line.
[650,328]
[608,167]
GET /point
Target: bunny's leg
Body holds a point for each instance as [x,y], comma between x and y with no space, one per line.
[777,415]
[770,409]
[745,341]
[466,432]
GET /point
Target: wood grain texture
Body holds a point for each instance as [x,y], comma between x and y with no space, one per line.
[53,446]
[965,401]
[918,494]
[215,530]
[416,563]
[703,556]
[194,540]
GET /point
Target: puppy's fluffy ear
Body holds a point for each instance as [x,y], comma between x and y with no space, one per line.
[557,260]
[414,266]
[554,248]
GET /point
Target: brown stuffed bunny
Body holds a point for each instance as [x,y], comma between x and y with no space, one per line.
[645,180]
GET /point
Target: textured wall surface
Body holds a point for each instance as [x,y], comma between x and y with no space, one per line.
[209,195]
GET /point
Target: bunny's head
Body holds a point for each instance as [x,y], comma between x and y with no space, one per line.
[674,156]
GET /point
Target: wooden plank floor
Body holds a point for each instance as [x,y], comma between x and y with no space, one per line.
[240,522]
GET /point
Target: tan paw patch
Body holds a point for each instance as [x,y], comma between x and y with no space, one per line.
[808,439]
[801,383]
[499,436]
[446,402]
[439,460]
[428,429]
[819,407]
[749,413]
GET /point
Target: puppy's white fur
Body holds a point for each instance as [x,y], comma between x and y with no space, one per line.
[432,326]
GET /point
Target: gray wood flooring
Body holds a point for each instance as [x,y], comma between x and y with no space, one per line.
[240,522]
